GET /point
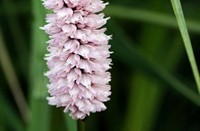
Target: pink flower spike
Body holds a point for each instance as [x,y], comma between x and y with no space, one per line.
[78,58]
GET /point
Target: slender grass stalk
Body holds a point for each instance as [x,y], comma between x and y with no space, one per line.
[186,39]
[13,82]
[149,17]
[81,125]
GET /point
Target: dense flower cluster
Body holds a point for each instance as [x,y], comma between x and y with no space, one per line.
[78,58]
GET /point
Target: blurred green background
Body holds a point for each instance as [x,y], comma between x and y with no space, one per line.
[153,88]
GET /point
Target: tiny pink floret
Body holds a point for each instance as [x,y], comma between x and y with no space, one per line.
[78,58]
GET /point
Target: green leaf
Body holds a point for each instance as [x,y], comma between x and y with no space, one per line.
[148,17]
[186,39]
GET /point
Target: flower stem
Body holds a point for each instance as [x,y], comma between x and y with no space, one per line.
[81,125]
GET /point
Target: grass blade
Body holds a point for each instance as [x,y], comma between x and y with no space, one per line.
[12,79]
[186,39]
[40,110]
[149,17]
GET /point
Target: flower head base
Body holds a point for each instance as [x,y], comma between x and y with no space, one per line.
[78,58]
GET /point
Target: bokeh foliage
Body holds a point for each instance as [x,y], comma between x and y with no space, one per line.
[153,87]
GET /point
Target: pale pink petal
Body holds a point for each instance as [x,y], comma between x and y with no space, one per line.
[95,6]
[53,4]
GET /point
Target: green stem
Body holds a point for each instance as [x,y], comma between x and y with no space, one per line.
[81,125]
[71,124]
[186,39]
